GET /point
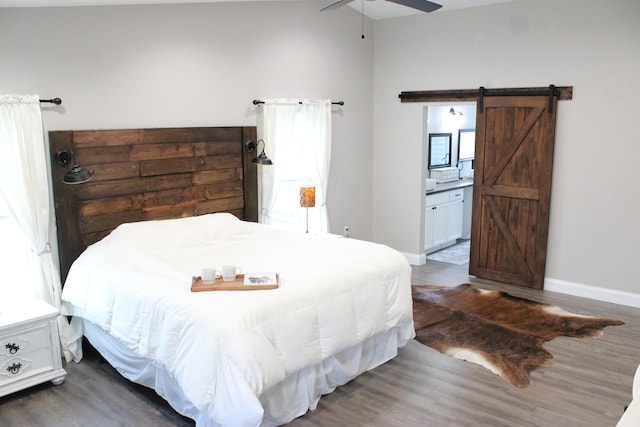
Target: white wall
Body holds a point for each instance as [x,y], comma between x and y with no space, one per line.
[201,65]
[588,44]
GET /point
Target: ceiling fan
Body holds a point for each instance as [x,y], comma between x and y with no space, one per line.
[423,5]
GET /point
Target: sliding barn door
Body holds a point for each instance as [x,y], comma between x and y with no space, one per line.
[512,188]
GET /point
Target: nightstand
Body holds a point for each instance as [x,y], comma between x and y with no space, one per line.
[29,346]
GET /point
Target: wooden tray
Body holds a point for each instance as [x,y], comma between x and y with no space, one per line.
[235,285]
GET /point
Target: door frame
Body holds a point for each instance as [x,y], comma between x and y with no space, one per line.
[554,94]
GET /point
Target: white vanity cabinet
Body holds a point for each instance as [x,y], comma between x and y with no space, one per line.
[443,219]
[466,212]
[29,346]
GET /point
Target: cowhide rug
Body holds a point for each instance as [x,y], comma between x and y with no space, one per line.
[496,330]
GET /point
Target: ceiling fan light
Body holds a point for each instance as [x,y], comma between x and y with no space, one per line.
[423,5]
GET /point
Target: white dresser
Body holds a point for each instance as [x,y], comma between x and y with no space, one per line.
[29,346]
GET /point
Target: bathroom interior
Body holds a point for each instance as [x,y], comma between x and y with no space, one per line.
[449,138]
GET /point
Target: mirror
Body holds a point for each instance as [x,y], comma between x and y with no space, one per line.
[439,150]
[466,144]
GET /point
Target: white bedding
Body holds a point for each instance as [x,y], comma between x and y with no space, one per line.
[226,350]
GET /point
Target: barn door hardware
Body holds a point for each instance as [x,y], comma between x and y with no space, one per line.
[563,93]
[551,91]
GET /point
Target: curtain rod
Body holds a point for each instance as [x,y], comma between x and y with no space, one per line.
[56,101]
[258,101]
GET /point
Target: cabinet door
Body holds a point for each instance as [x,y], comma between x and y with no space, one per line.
[439,224]
[454,223]
[466,213]
[428,229]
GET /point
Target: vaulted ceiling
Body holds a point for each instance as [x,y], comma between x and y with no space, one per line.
[374,9]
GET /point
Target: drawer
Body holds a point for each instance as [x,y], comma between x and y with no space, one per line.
[25,341]
[437,199]
[456,195]
[19,368]
[444,197]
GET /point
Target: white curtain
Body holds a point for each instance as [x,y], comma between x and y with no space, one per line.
[277,130]
[278,119]
[25,190]
[317,115]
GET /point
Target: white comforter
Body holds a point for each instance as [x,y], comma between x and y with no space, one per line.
[225,348]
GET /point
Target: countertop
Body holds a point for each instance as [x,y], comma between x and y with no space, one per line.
[446,186]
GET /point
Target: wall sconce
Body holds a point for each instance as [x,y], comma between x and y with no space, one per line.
[76,175]
[262,159]
[307,199]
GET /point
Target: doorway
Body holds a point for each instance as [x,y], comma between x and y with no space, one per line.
[455,122]
[516,133]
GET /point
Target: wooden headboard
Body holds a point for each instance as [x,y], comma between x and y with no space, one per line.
[146,174]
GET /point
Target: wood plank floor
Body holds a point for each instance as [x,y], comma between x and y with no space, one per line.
[588,384]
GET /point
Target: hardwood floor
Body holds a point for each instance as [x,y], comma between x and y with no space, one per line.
[93,394]
[588,384]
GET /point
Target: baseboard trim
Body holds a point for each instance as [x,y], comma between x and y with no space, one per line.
[414,259]
[614,296]
[592,292]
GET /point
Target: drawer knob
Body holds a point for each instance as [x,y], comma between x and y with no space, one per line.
[14,369]
[12,347]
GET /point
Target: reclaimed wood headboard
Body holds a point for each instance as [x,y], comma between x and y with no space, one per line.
[147,174]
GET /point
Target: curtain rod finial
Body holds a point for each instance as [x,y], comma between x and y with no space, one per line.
[56,101]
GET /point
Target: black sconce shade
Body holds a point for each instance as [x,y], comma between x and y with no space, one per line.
[76,175]
[262,159]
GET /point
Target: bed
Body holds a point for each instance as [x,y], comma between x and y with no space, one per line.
[241,358]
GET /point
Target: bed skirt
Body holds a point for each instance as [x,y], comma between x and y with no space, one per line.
[289,399]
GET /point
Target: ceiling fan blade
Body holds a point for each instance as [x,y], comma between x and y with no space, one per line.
[336,5]
[423,5]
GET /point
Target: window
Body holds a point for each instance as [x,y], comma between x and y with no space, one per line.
[297,163]
[298,135]
[14,257]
